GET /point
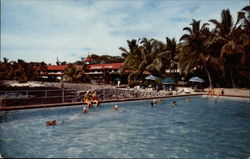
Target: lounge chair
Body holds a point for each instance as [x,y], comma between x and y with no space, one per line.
[179,91]
[186,90]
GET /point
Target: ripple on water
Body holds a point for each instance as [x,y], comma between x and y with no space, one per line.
[201,128]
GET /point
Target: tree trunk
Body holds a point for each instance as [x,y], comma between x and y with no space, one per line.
[209,77]
[231,76]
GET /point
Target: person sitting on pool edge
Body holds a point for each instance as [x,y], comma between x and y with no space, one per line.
[95,99]
[51,123]
[85,110]
[87,99]
[116,108]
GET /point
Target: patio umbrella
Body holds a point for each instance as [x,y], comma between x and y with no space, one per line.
[117,79]
[196,79]
[151,77]
[168,81]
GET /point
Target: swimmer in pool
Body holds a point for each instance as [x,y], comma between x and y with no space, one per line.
[51,123]
[152,103]
[116,108]
[85,110]
[174,103]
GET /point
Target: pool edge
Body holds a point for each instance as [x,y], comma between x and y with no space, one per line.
[9,108]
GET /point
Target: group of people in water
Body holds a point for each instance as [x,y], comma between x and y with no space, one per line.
[93,99]
[155,101]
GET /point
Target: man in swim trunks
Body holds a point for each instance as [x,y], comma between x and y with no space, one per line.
[51,123]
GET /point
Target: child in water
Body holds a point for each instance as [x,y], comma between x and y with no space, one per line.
[85,110]
[174,103]
[116,108]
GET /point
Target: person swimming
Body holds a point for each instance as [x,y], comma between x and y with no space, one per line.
[85,110]
[51,123]
[152,103]
[174,103]
[155,101]
[188,99]
[116,108]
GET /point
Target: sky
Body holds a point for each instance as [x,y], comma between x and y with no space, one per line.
[44,30]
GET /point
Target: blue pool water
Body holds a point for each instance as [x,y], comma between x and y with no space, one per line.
[200,129]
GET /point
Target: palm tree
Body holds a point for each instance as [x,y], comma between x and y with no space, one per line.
[158,58]
[72,74]
[172,48]
[234,40]
[243,19]
[132,59]
[194,54]
[149,55]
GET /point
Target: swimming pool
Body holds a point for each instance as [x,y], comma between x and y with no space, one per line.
[202,128]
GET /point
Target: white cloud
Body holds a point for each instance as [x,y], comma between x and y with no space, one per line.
[43,30]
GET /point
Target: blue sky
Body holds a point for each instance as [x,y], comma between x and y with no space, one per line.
[42,30]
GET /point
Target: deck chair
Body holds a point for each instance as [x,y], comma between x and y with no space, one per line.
[186,90]
[179,91]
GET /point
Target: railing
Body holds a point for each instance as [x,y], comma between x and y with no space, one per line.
[19,97]
[30,97]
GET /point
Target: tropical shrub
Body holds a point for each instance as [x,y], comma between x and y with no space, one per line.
[132,84]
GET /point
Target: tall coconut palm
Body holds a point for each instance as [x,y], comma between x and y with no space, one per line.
[172,48]
[234,40]
[195,54]
[224,27]
[132,59]
[243,19]
[158,58]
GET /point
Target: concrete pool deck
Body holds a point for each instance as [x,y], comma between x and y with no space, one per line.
[229,92]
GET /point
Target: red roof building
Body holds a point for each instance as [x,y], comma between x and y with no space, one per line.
[108,66]
[87,59]
[96,71]
[56,67]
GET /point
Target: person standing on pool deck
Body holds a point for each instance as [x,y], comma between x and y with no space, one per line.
[87,99]
[222,91]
